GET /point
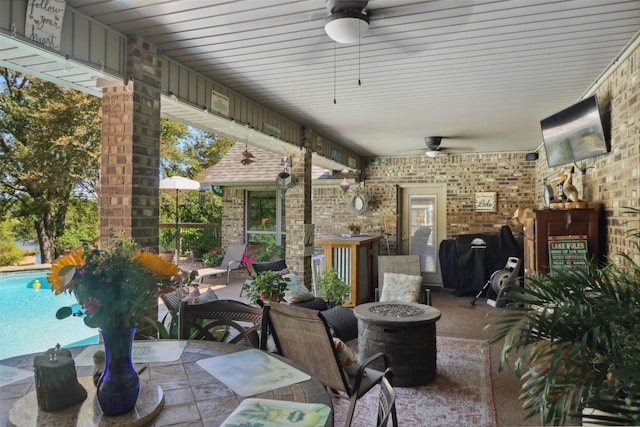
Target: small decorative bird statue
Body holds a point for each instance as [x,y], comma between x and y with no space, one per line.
[569,190]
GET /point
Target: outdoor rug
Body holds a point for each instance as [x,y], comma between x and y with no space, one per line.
[459,396]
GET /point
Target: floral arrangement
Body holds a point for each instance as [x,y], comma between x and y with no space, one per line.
[354,227]
[248,258]
[114,285]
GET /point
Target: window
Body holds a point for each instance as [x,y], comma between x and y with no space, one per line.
[265,218]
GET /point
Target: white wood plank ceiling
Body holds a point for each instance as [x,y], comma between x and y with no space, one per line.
[481,73]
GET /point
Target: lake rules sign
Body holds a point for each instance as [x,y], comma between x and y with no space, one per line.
[567,253]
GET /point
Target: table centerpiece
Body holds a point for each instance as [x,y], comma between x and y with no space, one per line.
[354,228]
[114,286]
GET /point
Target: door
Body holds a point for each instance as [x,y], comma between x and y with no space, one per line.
[423,225]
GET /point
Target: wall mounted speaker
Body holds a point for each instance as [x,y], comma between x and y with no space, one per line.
[531,156]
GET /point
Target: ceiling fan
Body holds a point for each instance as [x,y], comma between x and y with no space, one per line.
[247,157]
[434,149]
[347,20]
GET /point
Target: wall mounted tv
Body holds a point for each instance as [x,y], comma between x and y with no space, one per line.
[575,133]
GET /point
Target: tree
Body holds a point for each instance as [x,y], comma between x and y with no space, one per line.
[50,139]
[188,152]
[49,150]
[189,155]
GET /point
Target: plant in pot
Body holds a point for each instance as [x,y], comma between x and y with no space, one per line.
[167,245]
[267,285]
[332,288]
[574,340]
[212,258]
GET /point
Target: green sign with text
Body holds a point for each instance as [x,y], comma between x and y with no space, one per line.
[567,252]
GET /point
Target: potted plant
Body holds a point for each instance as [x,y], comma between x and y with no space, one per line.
[213,258]
[167,245]
[331,287]
[574,339]
[267,285]
[354,228]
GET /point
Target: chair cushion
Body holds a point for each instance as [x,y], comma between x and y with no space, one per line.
[296,291]
[208,296]
[191,296]
[400,288]
[347,357]
[277,265]
[342,322]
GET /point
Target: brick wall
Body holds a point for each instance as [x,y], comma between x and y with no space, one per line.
[507,174]
[233,216]
[129,194]
[612,179]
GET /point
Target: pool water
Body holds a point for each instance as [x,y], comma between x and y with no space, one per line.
[28,321]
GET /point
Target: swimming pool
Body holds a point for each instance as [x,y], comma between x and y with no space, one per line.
[28,321]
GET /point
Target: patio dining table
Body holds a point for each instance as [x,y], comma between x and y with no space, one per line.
[188,392]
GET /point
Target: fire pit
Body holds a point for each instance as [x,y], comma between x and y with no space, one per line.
[406,333]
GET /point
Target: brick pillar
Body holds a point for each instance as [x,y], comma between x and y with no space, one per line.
[129,194]
[298,205]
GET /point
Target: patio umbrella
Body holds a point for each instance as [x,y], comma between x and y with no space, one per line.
[178,183]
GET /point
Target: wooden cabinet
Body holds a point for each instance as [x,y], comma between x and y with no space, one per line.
[572,232]
[355,261]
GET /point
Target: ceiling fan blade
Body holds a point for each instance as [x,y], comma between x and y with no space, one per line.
[338,5]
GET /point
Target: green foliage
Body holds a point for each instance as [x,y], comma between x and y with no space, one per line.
[580,332]
[167,239]
[188,152]
[331,287]
[264,248]
[165,332]
[50,140]
[82,224]
[269,285]
[213,258]
[10,253]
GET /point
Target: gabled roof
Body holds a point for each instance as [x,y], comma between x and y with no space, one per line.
[229,171]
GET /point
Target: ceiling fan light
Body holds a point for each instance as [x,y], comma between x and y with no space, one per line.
[346,26]
[345,184]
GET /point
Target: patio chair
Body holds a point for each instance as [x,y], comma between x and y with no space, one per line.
[387,403]
[303,336]
[223,320]
[401,264]
[232,261]
[172,299]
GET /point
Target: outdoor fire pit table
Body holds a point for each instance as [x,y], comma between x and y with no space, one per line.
[406,332]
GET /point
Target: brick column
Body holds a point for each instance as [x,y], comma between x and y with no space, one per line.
[129,194]
[298,205]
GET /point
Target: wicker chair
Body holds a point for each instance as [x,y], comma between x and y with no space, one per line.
[302,335]
[210,319]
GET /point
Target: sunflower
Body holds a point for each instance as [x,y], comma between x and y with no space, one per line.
[114,284]
[63,269]
[157,265]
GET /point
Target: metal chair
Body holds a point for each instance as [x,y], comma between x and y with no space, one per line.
[303,336]
[232,261]
[223,320]
[387,404]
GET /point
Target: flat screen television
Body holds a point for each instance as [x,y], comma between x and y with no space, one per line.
[575,133]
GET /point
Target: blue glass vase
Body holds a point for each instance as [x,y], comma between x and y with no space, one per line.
[118,387]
